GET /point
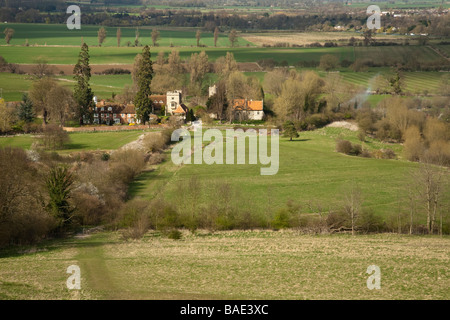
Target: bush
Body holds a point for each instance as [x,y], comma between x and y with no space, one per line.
[344,146]
[369,222]
[135,218]
[114,71]
[156,158]
[132,158]
[105,157]
[356,150]
[281,219]
[361,135]
[175,235]
[22,216]
[366,153]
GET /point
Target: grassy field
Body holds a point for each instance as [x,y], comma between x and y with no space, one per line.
[80,141]
[126,55]
[14,85]
[230,265]
[309,170]
[58,34]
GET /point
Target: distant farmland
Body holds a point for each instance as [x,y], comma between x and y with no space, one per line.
[126,55]
[58,34]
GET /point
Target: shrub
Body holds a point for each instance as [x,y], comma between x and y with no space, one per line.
[105,156]
[134,159]
[366,153]
[175,235]
[22,216]
[115,71]
[368,222]
[356,150]
[337,221]
[155,142]
[361,136]
[281,219]
[134,216]
[156,158]
[389,154]
[344,146]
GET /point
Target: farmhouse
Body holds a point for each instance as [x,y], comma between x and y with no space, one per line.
[114,113]
[248,109]
[158,103]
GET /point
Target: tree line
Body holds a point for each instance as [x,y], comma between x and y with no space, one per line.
[433,25]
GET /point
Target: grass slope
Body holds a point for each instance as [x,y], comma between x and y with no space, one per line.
[309,170]
[80,141]
[230,265]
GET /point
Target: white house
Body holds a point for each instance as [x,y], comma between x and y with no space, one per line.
[248,109]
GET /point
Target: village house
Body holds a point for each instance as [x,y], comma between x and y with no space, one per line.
[245,109]
[114,113]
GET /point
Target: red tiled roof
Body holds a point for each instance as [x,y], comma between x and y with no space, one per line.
[251,105]
[181,109]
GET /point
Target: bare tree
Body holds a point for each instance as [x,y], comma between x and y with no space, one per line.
[41,69]
[101,36]
[175,66]
[430,186]
[136,38]
[155,37]
[8,34]
[39,95]
[199,66]
[218,102]
[273,81]
[233,37]
[216,36]
[353,204]
[224,66]
[61,104]
[119,36]
[198,36]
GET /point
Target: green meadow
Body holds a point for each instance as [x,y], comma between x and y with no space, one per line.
[309,170]
[15,85]
[58,34]
[79,141]
[126,55]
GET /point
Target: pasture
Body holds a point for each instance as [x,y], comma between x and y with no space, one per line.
[59,35]
[80,141]
[309,171]
[126,55]
[15,85]
[246,265]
